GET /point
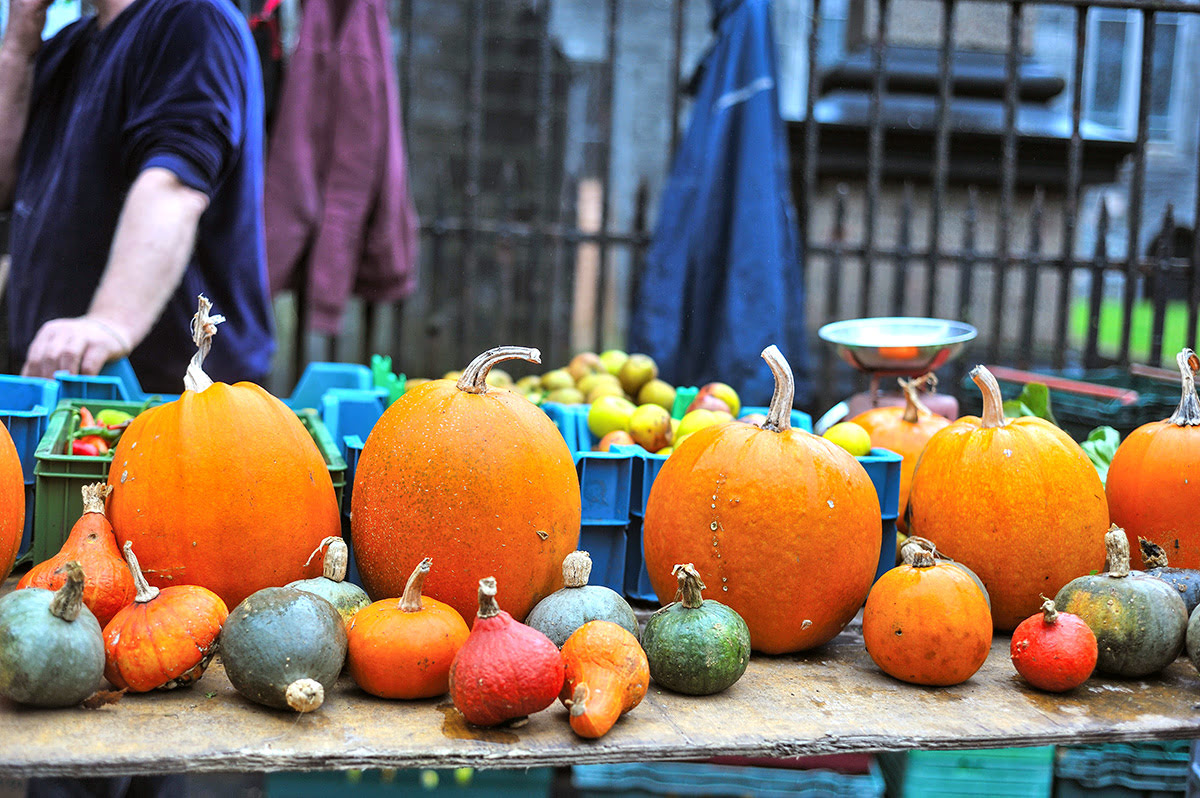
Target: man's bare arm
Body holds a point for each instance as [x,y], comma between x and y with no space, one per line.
[18,50]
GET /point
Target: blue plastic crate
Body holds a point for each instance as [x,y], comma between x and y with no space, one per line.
[352,446]
[321,377]
[564,417]
[25,404]
[101,387]
[883,467]
[1015,772]
[703,779]
[637,579]
[1124,770]
[606,544]
[351,412]
[461,783]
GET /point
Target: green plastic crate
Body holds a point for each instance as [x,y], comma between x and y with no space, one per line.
[58,500]
[1123,770]
[985,772]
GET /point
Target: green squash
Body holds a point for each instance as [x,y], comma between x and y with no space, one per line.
[51,645]
[558,615]
[1139,621]
[346,597]
[1193,638]
[284,648]
[1185,580]
[695,645]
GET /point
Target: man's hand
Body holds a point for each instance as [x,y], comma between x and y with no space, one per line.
[81,346]
[23,33]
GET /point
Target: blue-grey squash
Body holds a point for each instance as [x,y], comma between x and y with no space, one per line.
[1185,580]
[558,615]
[346,597]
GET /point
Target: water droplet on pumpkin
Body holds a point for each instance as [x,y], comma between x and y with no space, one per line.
[725,588]
[830,503]
[1008,452]
[805,624]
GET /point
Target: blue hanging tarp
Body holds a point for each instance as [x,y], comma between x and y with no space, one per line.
[723,276]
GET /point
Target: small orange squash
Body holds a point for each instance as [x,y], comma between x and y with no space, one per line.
[905,431]
[474,476]
[166,638]
[223,487]
[1015,500]
[12,503]
[784,524]
[606,676]
[107,584]
[404,648]
[1154,481]
[927,623]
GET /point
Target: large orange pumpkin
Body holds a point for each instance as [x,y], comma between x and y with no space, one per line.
[222,488]
[905,431]
[787,524]
[12,503]
[1154,480]
[474,476]
[1015,500]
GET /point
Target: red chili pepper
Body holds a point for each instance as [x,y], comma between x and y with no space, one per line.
[98,442]
[85,418]
[83,448]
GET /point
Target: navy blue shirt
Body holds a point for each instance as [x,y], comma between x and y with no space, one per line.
[167,83]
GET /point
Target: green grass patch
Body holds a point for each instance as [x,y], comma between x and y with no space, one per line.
[1175,331]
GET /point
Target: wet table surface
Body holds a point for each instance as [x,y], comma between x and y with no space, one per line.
[832,700]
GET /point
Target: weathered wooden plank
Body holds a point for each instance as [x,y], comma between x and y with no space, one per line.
[830,701]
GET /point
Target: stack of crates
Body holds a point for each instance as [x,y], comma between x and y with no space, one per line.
[25,404]
[1123,770]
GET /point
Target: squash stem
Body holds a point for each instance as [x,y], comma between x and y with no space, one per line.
[689,585]
[204,327]
[145,591]
[923,558]
[1116,547]
[488,608]
[411,600]
[579,699]
[94,496]
[336,560]
[1153,555]
[474,376]
[779,416]
[914,408]
[305,695]
[993,402]
[577,567]
[1188,412]
[1049,611]
[68,599]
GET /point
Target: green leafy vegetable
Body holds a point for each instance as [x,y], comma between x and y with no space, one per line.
[1100,446]
[1033,401]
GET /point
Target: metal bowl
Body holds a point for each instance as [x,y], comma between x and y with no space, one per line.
[897,346]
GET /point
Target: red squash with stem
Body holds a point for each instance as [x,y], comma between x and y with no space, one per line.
[1054,651]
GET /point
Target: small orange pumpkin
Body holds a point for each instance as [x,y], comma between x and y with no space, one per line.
[223,487]
[165,638]
[762,510]
[108,584]
[474,476]
[905,431]
[1154,480]
[607,675]
[927,623]
[404,648]
[12,503]
[1015,500]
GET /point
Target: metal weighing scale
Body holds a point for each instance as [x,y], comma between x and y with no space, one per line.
[894,346]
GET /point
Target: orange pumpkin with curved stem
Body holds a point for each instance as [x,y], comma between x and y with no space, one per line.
[476,477]
[1015,500]
[786,523]
[12,503]
[1154,479]
[607,675]
[905,431]
[223,487]
[107,583]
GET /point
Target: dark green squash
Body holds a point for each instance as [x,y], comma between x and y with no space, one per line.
[558,615]
[1185,580]
[1139,621]
[1193,638]
[284,648]
[51,645]
[695,645]
[346,597]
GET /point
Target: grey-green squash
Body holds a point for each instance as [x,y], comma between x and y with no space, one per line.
[284,648]
[695,645]
[558,615]
[1140,622]
[1185,580]
[1193,638]
[51,645]
[346,597]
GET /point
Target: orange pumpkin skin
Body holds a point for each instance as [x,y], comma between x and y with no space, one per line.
[483,482]
[1019,504]
[12,503]
[927,625]
[222,488]
[607,675]
[107,582]
[787,523]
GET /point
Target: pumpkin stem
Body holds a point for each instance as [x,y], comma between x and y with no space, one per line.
[68,599]
[488,608]
[305,695]
[577,567]
[1188,412]
[1116,547]
[145,590]
[993,402]
[914,408]
[1049,611]
[689,585]
[923,558]
[474,376]
[1153,554]
[94,496]
[579,699]
[337,558]
[204,327]
[914,544]
[411,600]
[779,414]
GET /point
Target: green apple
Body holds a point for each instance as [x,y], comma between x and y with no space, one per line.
[583,364]
[695,420]
[650,426]
[565,396]
[499,378]
[605,389]
[531,383]
[613,359]
[590,381]
[609,413]
[559,378]
[657,392]
[637,371]
[707,401]
[725,393]
[452,375]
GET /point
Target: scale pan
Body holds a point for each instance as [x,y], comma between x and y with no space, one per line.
[897,346]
